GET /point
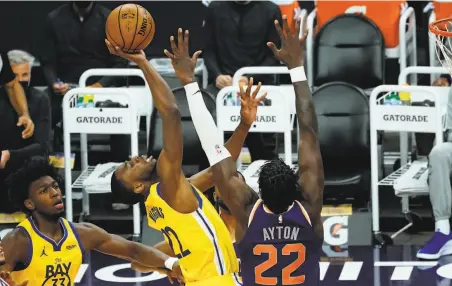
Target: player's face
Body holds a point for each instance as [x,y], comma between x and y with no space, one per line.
[136,170]
[2,256]
[45,197]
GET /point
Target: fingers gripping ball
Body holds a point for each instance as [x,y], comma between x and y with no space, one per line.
[130,27]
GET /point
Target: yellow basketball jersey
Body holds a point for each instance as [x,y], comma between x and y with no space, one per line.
[200,239]
[50,263]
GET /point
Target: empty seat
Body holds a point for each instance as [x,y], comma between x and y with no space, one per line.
[343,119]
[349,48]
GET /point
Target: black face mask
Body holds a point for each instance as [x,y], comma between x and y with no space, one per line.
[82,4]
[25,85]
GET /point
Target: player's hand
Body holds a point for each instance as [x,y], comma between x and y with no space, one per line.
[183,64]
[7,277]
[138,58]
[291,52]
[28,124]
[223,80]
[60,88]
[249,103]
[177,273]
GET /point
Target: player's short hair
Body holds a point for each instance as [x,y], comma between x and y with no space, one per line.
[123,193]
[19,182]
[278,185]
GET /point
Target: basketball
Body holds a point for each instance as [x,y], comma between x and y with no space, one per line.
[130,27]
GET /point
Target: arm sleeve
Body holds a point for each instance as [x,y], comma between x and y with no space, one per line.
[210,56]
[6,73]
[47,53]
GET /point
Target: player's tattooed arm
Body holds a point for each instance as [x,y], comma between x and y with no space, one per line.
[204,179]
[15,249]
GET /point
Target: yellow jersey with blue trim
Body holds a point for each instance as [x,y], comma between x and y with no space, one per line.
[199,239]
[50,263]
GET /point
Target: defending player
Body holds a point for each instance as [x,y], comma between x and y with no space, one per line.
[46,249]
[279,240]
[188,221]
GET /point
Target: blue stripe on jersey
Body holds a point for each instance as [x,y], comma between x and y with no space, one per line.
[217,252]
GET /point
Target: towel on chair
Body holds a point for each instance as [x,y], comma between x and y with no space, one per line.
[99,179]
[414,180]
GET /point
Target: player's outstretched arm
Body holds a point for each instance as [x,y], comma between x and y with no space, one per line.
[170,159]
[95,238]
[309,158]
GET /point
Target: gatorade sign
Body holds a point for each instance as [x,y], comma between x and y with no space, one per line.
[272,116]
[405,118]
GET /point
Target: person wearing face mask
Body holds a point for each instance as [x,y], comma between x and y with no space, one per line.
[14,149]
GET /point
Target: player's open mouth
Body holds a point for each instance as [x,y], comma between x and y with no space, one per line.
[59,205]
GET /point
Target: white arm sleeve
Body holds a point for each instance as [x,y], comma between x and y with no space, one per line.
[205,125]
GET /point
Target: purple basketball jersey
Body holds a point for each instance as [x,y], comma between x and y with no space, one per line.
[280,249]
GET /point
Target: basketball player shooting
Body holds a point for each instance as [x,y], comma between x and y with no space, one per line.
[193,230]
[280,234]
[45,249]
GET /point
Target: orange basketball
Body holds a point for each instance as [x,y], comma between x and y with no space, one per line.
[130,27]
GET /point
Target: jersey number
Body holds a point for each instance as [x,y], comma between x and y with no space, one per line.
[168,232]
[58,282]
[272,252]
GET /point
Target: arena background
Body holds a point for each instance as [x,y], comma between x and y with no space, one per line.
[353,263]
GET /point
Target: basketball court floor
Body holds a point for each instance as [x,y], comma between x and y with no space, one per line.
[359,265]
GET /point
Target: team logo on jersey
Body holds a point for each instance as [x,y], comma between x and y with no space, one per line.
[43,253]
[156,213]
[58,274]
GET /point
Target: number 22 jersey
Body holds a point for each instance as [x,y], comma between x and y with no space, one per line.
[280,249]
[199,239]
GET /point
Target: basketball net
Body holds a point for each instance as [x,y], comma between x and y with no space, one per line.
[441,32]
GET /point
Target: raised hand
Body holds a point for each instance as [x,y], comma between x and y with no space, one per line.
[250,102]
[137,58]
[183,64]
[292,48]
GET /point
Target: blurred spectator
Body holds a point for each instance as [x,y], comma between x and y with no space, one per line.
[73,42]
[14,149]
[236,33]
[16,96]
[440,170]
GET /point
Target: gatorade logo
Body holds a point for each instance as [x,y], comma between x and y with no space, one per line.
[405,118]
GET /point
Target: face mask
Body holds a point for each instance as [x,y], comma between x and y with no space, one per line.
[25,85]
[82,4]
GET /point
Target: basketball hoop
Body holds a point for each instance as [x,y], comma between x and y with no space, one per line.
[441,31]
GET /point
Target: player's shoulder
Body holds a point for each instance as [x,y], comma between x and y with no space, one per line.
[18,239]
